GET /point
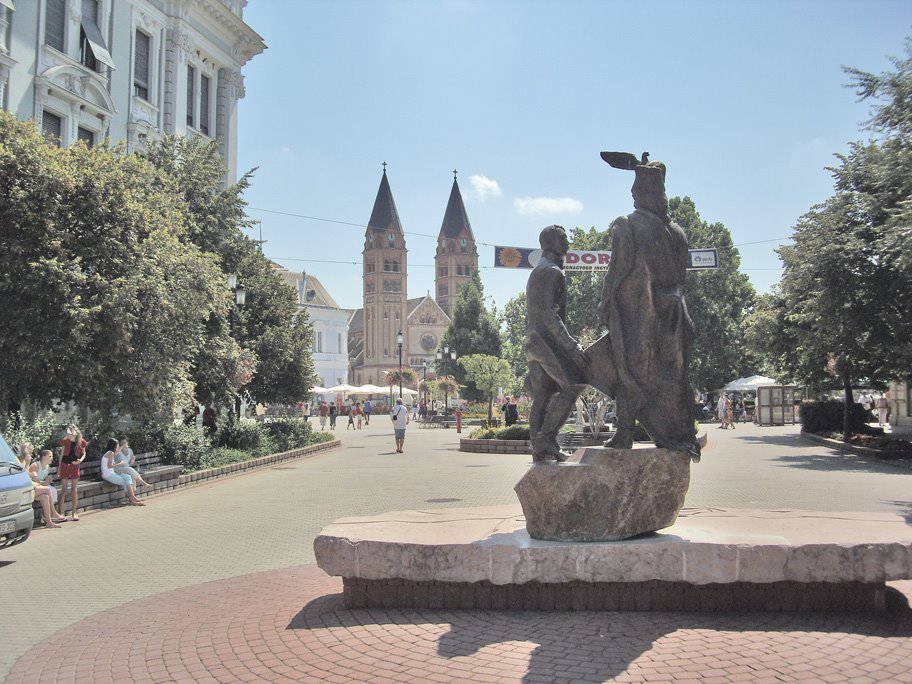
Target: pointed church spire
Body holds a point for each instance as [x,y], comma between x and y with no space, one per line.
[455,219]
[384,217]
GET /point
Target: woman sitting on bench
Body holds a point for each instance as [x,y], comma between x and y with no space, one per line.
[120,479]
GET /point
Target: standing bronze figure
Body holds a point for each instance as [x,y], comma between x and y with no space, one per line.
[557,365]
[649,329]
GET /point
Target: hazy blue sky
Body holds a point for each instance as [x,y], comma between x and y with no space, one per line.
[744,101]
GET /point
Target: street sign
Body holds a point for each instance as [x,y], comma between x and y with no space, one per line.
[592,260]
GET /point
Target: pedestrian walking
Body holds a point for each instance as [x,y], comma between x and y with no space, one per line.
[722,409]
[333,412]
[400,417]
[367,412]
[324,412]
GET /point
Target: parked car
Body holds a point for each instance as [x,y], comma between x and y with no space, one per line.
[16,496]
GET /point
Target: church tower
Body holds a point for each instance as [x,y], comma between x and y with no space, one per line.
[457,257]
[385,291]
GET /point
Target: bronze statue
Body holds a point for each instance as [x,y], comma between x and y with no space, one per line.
[649,329]
[558,368]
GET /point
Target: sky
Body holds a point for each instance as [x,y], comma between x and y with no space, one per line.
[745,102]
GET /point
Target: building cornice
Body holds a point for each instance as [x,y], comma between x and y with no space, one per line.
[247,42]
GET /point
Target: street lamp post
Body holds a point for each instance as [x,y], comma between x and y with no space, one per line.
[399,344]
[425,385]
[446,356]
[240,300]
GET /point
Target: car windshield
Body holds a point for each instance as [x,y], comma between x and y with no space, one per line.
[6,454]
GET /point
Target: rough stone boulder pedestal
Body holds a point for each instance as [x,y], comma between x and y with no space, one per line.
[603,494]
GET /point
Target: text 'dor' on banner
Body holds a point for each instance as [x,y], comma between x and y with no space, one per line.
[590,260]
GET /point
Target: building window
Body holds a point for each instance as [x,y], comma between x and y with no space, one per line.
[318,342]
[370,238]
[339,343]
[55,24]
[369,266]
[391,239]
[204,105]
[395,266]
[52,127]
[87,136]
[397,315]
[191,94]
[443,291]
[443,246]
[386,314]
[463,245]
[369,289]
[443,271]
[92,49]
[141,65]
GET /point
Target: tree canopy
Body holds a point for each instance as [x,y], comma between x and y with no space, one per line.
[488,374]
[113,281]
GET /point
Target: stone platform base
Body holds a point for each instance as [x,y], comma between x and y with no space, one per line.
[801,597]
[721,559]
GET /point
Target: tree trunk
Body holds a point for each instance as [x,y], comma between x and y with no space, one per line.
[847,408]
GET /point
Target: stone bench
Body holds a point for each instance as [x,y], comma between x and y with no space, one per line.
[97,493]
[438,421]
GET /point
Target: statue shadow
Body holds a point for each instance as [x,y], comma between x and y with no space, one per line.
[582,646]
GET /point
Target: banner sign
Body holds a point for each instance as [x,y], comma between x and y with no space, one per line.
[591,260]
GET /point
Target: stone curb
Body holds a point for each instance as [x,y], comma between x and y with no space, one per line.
[888,456]
[200,476]
[495,446]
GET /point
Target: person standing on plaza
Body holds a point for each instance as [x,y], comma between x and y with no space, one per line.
[359,415]
[333,412]
[324,412]
[400,418]
[73,453]
[367,412]
[511,413]
[722,411]
[882,406]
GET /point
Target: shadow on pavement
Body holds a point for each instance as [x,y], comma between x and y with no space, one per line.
[591,645]
[839,461]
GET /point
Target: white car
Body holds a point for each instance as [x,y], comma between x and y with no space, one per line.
[17,492]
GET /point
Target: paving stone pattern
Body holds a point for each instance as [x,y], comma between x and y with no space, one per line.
[214,583]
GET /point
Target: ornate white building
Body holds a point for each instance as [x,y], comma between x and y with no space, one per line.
[127,70]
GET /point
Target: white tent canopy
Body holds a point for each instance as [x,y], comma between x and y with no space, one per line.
[749,384]
[319,390]
[342,388]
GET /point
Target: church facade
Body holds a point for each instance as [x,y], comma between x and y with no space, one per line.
[387,311]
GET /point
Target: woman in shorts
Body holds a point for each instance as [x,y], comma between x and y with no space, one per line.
[73,453]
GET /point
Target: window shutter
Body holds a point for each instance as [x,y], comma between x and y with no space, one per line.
[141,65]
[54,23]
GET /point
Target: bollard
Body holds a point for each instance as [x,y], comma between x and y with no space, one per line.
[459,421]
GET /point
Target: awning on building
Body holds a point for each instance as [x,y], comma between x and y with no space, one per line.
[96,42]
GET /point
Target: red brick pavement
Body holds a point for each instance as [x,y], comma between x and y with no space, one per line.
[289,625]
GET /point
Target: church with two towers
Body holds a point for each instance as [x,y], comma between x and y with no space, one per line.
[373,330]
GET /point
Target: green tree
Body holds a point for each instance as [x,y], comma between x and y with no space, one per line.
[718,301]
[473,330]
[513,341]
[271,328]
[93,259]
[846,291]
[488,374]
[584,288]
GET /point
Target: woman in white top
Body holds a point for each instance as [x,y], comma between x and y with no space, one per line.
[40,472]
[120,479]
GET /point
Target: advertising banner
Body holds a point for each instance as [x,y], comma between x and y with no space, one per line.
[591,260]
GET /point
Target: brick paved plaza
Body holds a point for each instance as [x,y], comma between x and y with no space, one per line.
[217,582]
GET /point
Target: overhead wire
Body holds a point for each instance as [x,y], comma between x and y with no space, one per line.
[434,237]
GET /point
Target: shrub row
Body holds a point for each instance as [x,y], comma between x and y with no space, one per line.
[234,442]
[826,416]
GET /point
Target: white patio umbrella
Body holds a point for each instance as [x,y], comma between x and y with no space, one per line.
[343,389]
[319,390]
[749,384]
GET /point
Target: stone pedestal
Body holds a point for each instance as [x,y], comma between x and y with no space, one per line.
[709,560]
[603,494]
